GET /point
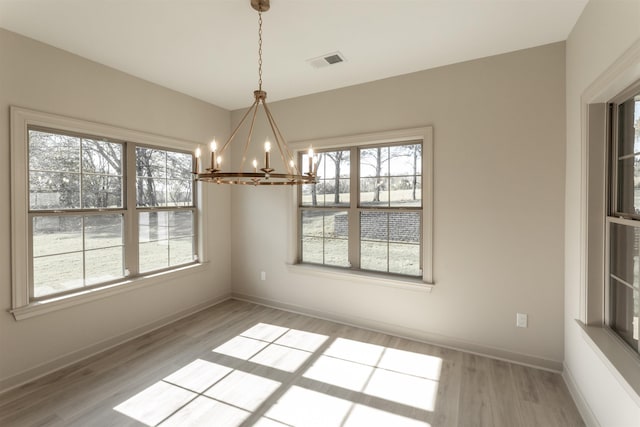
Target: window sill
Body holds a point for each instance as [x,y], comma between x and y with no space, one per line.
[395,282]
[59,303]
[621,361]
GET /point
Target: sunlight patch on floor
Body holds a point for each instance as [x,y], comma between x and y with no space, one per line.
[155,403]
[203,411]
[303,407]
[244,390]
[340,373]
[241,347]
[319,374]
[198,375]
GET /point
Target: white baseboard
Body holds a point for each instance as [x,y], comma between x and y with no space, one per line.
[585,410]
[76,356]
[413,334]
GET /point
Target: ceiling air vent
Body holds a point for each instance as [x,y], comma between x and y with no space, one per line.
[326,60]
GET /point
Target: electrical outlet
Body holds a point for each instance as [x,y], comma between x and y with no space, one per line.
[263,275]
[521,320]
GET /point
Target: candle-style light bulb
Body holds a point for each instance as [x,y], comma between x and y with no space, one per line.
[198,152]
[213,147]
[255,165]
[267,149]
[311,160]
[219,160]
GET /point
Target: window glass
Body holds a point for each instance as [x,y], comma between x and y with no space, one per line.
[628,162]
[386,222]
[74,251]
[166,239]
[624,234]
[332,186]
[71,172]
[325,237]
[390,242]
[391,176]
[75,243]
[163,178]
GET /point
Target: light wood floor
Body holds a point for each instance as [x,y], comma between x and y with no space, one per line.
[240,364]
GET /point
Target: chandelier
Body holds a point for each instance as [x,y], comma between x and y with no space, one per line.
[265,175]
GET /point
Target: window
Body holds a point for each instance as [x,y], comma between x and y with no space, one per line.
[75,211]
[95,206]
[166,209]
[365,211]
[622,311]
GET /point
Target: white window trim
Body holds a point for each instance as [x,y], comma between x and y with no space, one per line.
[617,357]
[21,119]
[425,134]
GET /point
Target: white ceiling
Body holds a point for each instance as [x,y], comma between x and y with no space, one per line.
[208,48]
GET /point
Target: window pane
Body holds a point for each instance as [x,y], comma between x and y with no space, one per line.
[53,152]
[163,178]
[405,227]
[625,312]
[154,255]
[325,237]
[151,192]
[404,259]
[179,165]
[101,157]
[54,190]
[374,162]
[56,172]
[310,196]
[179,192]
[166,239]
[312,223]
[625,260]
[312,250]
[101,191]
[629,127]
[332,181]
[406,160]
[336,252]
[151,163]
[374,192]
[153,226]
[406,191]
[56,235]
[624,283]
[103,265]
[374,255]
[390,241]
[181,224]
[628,185]
[374,226]
[57,273]
[374,241]
[181,250]
[103,231]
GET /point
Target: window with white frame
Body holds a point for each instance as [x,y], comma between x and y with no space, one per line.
[366,211]
[94,209]
[622,311]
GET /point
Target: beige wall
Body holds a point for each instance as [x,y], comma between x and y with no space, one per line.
[603,33]
[499,135]
[39,77]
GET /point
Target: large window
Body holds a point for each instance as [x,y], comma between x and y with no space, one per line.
[623,221]
[92,210]
[75,211]
[366,210]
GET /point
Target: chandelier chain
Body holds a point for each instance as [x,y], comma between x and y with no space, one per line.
[259,50]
